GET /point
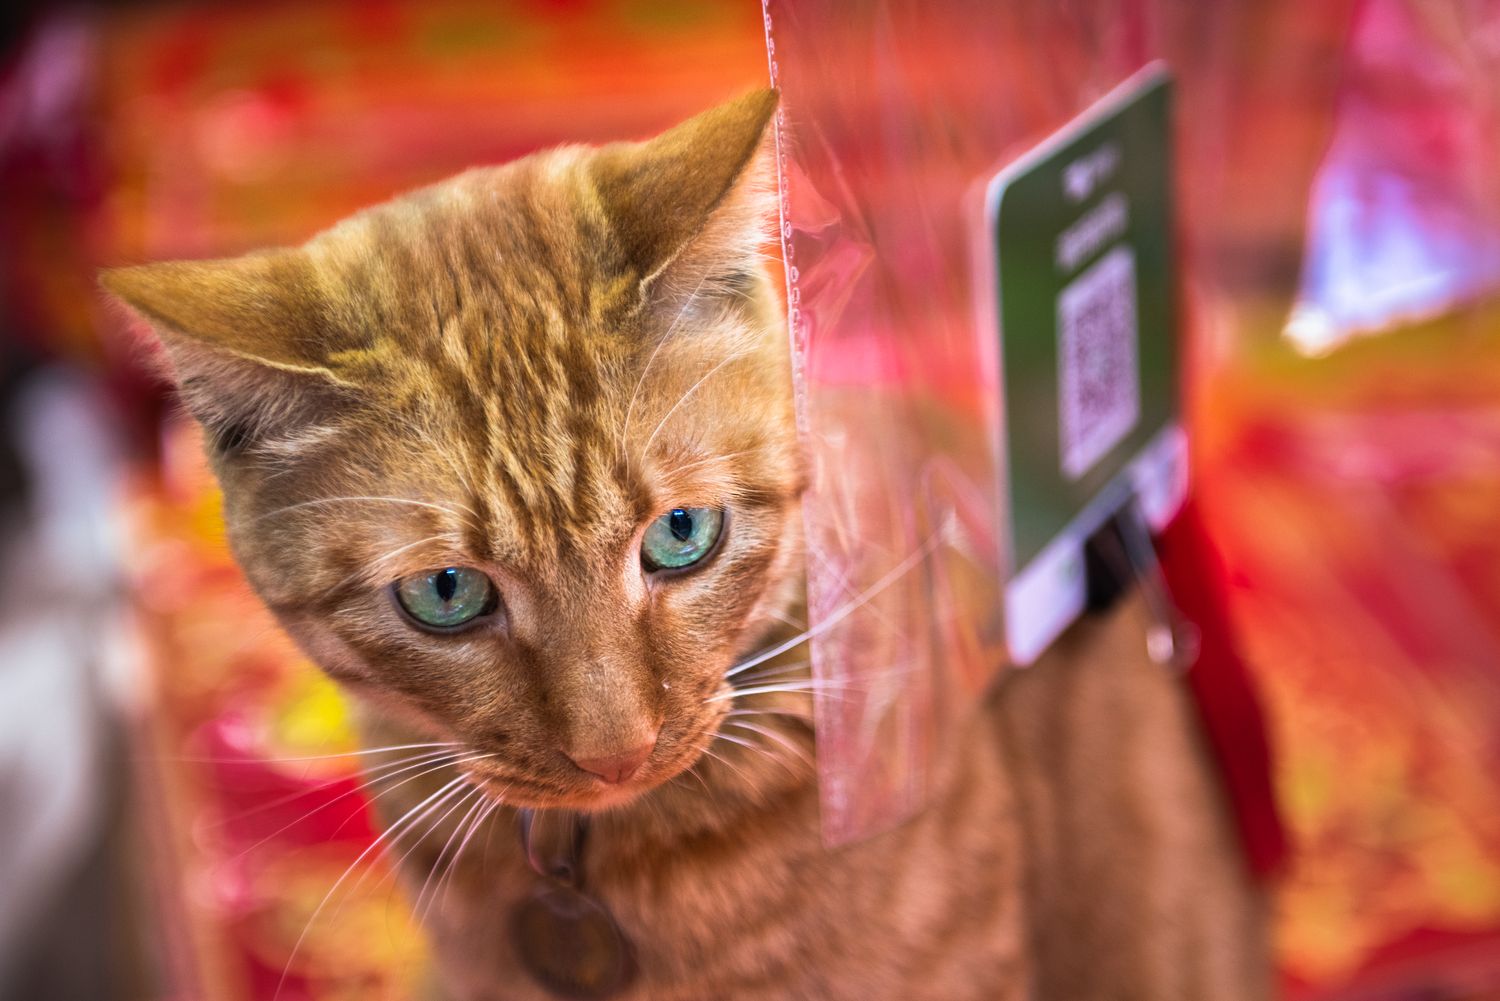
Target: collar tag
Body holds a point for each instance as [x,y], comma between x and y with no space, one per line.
[567,939]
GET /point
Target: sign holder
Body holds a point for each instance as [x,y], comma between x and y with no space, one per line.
[1093,448]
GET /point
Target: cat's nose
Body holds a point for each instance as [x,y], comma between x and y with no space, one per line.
[616,768]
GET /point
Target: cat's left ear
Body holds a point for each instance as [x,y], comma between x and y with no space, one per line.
[693,207]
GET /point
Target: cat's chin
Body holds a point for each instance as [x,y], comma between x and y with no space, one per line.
[593,798]
[583,802]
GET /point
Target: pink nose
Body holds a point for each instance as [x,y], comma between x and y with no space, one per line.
[616,768]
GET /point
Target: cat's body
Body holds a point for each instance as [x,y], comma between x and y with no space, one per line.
[513,458]
[1075,847]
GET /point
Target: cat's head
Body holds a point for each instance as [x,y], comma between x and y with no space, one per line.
[513,456]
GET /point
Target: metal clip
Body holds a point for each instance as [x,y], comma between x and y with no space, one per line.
[1171,640]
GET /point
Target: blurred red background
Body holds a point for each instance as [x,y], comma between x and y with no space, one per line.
[1350,482]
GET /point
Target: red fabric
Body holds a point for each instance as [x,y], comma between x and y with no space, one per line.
[1221,685]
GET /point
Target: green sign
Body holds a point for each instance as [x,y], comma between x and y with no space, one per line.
[1082,229]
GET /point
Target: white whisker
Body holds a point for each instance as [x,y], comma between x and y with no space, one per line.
[785,619]
[759,749]
[439,767]
[693,771]
[477,795]
[319,757]
[805,689]
[646,449]
[487,810]
[724,762]
[774,671]
[721,457]
[380,560]
[847,609]
[292,797]
[444,791]
[456,512]
[396,840]
[796,712]
[780,738]
[740,741]
[430,762]
[662,340]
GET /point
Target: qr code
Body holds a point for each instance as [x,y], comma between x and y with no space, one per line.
[1099,381]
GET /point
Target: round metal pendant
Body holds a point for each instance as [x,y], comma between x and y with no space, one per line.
[571,944]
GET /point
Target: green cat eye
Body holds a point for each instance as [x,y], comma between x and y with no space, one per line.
[681,537]
[447,598]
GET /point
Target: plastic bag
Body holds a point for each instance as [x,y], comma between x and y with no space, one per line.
[1351,500]
[894,117]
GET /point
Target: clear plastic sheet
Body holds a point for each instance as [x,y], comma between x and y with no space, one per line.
[1351,500]
[894,117]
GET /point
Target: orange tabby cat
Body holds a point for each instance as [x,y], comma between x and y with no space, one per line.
[513,458]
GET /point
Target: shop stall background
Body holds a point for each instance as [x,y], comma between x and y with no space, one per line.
[1346,447]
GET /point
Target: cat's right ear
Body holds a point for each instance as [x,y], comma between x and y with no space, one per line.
[247,339]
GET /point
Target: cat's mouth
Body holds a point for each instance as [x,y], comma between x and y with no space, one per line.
[582,791]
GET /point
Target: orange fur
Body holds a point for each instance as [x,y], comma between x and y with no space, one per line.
[518,370]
